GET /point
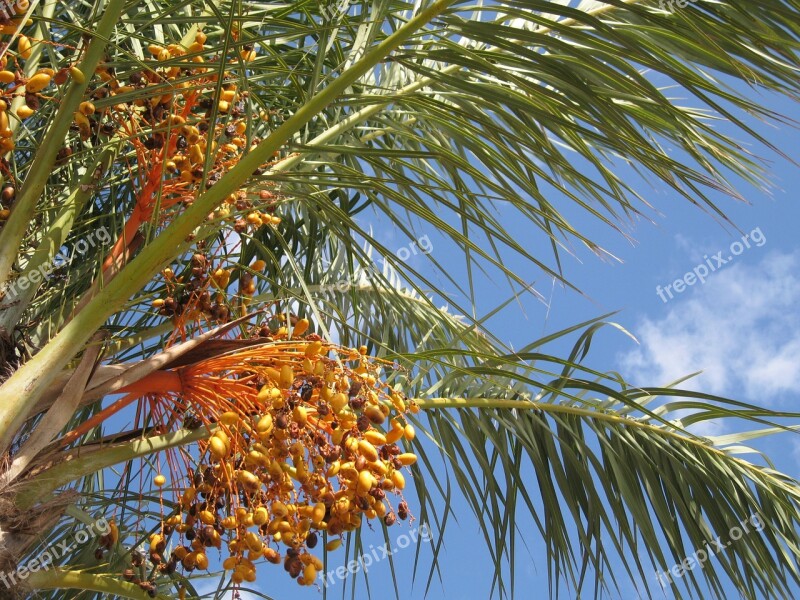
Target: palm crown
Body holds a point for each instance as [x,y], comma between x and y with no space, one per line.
[205,167]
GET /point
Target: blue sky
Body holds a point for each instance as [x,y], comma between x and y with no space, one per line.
[740,327]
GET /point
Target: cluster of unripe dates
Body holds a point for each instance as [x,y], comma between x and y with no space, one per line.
[315,450]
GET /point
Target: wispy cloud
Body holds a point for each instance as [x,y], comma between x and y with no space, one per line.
[742,329]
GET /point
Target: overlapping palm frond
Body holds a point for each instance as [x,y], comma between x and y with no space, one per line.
[564,458]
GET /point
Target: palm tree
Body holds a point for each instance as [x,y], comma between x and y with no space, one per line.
[217,336]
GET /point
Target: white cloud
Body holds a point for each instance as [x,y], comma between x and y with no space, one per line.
[741,328]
